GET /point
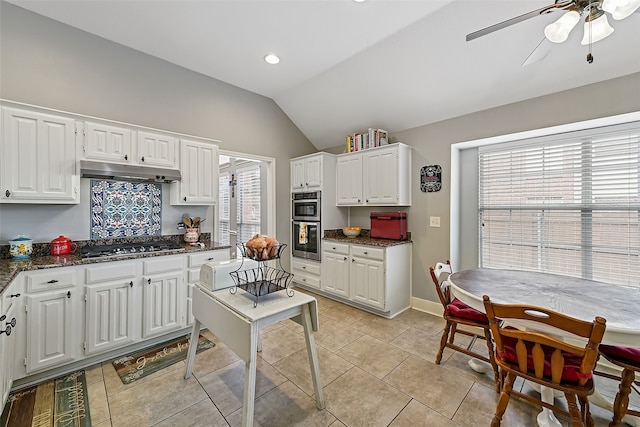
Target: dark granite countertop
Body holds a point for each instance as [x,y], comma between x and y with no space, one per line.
[10,268]
[363,239]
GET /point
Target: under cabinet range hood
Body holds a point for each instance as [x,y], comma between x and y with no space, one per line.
[100,170]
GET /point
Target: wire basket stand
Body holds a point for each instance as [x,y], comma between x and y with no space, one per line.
[262,280]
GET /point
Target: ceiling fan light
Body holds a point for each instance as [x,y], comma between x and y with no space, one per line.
[596,29]
[558,31]
[624,9]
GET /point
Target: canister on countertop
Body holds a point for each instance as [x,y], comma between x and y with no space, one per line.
[389,225]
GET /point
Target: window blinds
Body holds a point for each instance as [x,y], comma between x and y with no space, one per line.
[566,204]
[247,196]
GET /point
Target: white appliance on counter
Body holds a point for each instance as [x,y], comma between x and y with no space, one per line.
[215,274]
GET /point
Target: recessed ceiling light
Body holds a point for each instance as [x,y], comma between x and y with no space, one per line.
[271,58]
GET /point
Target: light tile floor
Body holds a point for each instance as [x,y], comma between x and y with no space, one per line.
[376,372]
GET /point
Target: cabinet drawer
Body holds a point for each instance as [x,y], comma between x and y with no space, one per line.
[196,260]
[305,268]
[367,252]
[51,279]
[338,248]
[163,264]
[307,280]
[110,272]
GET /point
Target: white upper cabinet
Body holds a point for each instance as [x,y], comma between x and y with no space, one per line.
[199,169]
[375,177]
[109,143]
[157,150]
[38,158]
[306,173]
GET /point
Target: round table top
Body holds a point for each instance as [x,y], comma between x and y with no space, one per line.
[575,297]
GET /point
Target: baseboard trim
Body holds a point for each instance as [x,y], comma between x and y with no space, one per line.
[427,306]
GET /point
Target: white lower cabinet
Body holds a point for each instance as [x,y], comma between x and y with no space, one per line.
[367,276]
[374,278]
[163,291]
[52,305]
[305,272]
[110,302]
[335,269]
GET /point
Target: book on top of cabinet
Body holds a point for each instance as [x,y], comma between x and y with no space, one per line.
[363,141]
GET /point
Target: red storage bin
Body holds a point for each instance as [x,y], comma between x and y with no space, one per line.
[389,225]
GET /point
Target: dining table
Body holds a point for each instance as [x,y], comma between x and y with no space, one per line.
[573,296]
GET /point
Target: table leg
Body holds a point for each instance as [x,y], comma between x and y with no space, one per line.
[193,346]
[480,366]
[547,418]
[250,378]
[313,356]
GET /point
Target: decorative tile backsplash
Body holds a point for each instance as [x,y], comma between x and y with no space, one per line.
[125,209]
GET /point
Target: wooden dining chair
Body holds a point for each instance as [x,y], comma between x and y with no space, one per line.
[539,355]
[627,358]
[456,313]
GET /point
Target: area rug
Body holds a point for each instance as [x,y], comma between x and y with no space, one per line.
[59,402]
[145,362]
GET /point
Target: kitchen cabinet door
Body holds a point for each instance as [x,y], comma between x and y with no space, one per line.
[367,282]
[349,180]
[109,316]
[199,170]
[157,150]
[108,143]
[306,173]
[51,330]
[335,270]
[380,176]
[162,303]
[38,158]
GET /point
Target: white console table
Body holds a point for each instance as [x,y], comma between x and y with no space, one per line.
[234,320]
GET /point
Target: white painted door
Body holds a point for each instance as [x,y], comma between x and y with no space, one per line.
[109,316]
[108,143]
[50,329]
[349,180]
[297,175]
[199,170]
[38,158]
[156,150]
[367,282]
[313,173]
[335,273]
[7,352]
[380,173]
[162,310]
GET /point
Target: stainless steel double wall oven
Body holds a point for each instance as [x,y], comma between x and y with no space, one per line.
[306,231]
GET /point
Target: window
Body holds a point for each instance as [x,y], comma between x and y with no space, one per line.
[566,204]
[246,193]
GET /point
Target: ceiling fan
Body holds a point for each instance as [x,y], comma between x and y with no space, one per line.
[596,26]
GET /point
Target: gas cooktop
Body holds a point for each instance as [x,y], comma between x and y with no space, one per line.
[100,251]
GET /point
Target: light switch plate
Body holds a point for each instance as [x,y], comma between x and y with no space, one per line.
[434,221]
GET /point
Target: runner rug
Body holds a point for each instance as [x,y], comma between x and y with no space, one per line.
[59,402]
[145,362]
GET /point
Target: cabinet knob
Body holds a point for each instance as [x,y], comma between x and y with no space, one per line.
[126,157]
[304,267]
[149,280]
[358,200]
[131,284]
[345,258]
[185,198]
[353,260]
[52,281]
[142,159]
[366,253]
[14,295]
[366,200]
[7,193]
[210,259]
[69,294]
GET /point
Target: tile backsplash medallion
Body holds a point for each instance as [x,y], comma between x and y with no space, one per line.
[125,209]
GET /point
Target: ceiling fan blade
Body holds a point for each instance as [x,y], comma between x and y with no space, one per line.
[517,19]
[539,52]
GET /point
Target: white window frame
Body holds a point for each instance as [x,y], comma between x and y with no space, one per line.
[457,246]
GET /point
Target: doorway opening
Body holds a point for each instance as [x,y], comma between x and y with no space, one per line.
[246,199]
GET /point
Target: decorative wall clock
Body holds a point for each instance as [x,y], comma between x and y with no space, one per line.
[431,178]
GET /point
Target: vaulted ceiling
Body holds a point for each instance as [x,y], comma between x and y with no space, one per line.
[347,66]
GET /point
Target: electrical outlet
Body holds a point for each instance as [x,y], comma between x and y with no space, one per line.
[434,221]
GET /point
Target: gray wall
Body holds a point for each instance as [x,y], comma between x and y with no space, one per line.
[49,64]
